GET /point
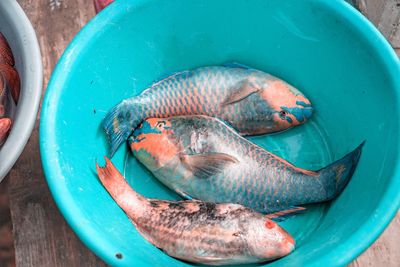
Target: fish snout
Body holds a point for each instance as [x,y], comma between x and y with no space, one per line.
[298,114]
[289,244]
[307,112]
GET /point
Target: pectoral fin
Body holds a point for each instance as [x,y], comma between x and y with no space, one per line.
[284,214]
[184,195]
[243,90]
[207,165]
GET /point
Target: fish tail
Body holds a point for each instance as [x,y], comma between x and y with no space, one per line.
[116,185]
[120,121]
[337,175]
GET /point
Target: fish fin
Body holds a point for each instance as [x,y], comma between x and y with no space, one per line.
[206,165]
[285,214]
[170,76]
[120,121]
[119,189]
[184,195]
[336,176]
[212,260]
[234,64]
[5,125]
[243,90]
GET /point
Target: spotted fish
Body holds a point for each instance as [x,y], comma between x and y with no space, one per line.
[252,101]
[201,157]
[200,232]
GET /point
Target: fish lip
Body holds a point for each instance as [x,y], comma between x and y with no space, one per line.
[291,247]
[308,112]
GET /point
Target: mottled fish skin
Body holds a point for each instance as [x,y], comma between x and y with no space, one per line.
[202,158]
[200,232]
[252,101]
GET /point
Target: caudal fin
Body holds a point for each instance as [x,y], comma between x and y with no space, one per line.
[116,185]
[337,175]
[120,121]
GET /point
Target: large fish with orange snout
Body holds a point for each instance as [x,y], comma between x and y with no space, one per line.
[200,232]
[252,101]
[201,157]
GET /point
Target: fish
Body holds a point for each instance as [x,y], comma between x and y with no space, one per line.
[3,96]
[6,56]
[12,79]
[99,5]
[5,125]
[7,69]
[196,231]
[201,157]
[250,100]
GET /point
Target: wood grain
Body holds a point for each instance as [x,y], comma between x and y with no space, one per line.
[385,14]
[42,238]
[385,251]
[7,254]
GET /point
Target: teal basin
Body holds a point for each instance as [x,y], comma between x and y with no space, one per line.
[325,48]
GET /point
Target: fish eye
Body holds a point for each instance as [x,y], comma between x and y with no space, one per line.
[160,124]
[269,224]
[283,113]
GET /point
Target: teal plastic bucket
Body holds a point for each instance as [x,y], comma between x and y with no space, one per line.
[325,48]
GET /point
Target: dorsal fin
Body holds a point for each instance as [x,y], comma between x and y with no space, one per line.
[234,64]
[165,78]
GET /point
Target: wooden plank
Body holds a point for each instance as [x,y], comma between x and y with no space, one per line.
[385,14]
[385,251]
[41,236]
[7,254]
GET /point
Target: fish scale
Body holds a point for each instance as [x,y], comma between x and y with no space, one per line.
[246,98]
[213,163]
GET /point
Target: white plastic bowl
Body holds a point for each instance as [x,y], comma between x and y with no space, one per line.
[21,36]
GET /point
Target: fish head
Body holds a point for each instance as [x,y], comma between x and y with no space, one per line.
[151,143]
[269,240]
[289,107]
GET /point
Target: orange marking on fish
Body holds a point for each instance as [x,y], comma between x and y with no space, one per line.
[339,173]
[184,103]
[269,224]
[157,145]
[190,104]
[284,212]
[197,95]
[168,104]
[279,94]
[290,165]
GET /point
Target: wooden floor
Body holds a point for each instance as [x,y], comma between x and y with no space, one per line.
[7,258]
[41,236]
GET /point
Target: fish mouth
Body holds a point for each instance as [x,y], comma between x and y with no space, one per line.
[307,108]
[290,248]
[307,112]
[289,244]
